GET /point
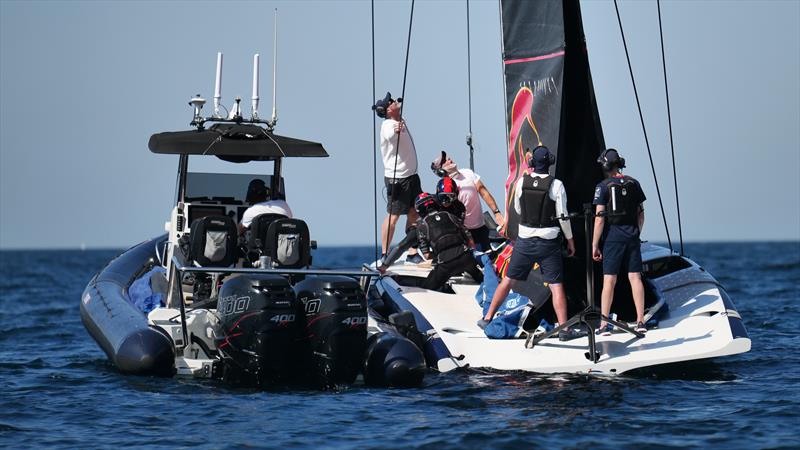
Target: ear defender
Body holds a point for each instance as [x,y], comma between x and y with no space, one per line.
[380,111]
[439,172]
[610,165]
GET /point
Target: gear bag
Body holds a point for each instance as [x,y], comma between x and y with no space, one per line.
[538,209]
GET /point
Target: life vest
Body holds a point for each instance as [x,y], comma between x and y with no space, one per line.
[624,197]
[446,236]
[538,209]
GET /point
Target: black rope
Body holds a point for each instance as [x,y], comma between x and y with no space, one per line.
[669,120]
[374,142]
[469,96]
[644,129]
[402,122]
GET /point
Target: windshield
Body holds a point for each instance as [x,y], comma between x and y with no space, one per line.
[219,186]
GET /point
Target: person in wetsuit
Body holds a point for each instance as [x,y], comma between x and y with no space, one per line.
[444,240]
[619,219]
[538,199]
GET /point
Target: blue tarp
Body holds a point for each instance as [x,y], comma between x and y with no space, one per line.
[507,322]
[141,293]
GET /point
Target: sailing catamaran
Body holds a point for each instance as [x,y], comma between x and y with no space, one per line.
[550,99]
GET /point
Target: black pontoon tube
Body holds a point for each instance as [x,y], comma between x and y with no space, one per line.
[118,327]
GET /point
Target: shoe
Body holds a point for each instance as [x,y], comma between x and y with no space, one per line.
[605,331]
[569,334]
[482,324]
[414,259]
[641,328]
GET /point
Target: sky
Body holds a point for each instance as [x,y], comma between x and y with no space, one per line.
[83,85]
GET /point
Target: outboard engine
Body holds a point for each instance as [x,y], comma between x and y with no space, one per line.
[335,310]
[259,328]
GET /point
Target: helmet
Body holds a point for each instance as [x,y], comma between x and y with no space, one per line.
[425,203]
[446,190]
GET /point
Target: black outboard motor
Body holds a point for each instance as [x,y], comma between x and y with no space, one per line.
[259,328]
[335,310]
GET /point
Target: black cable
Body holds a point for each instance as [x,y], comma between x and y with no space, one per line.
[374,142]
[644,129]
[669,120]
[469,96]
[402,123]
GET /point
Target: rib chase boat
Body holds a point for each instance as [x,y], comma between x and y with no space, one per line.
[200,301]
[550,100]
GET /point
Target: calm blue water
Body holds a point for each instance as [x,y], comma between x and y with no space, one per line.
[58,391]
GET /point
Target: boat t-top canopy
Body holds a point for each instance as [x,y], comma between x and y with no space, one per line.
[234,143]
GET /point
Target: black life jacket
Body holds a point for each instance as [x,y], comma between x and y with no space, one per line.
[538,209]
[446,236]
[624,197]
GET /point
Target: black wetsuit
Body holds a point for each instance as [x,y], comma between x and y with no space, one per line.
[445,235]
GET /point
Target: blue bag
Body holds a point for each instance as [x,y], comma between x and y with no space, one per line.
[141,293]
[508,320]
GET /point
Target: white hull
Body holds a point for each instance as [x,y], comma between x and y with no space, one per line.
[698,325]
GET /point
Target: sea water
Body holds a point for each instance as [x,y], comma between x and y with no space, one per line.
[58,390]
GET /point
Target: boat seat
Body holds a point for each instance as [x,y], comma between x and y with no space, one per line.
[212,241]
[256,238]
[288,244]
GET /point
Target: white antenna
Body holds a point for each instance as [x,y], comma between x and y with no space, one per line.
[218,85]
[255,87]
[275,73]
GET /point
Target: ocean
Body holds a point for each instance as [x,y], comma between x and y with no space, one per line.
[57,389]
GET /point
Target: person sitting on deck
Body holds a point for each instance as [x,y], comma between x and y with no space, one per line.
[538,199]
[444,240]
[258,195]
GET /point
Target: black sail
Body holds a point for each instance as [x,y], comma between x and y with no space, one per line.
[550,101]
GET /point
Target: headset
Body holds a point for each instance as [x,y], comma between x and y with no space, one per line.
[551,158]
[610,165]
[440,172]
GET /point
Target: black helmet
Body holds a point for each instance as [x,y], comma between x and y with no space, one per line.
[425,203]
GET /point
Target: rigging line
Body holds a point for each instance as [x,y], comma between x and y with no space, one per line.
[374,142]
[469,96]
[669,120]
[644,129]
[402,123]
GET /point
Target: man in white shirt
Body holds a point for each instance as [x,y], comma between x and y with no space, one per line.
[258,195]
[399,171]
[470,190]
[538,199]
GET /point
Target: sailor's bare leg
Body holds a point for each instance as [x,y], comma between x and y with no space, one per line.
[387,231]
[637,288]
[499,296]
[411,219]
[607,297]
[559,302]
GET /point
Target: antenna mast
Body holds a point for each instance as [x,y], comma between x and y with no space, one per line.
[274,119]
[254,114]
[218,85]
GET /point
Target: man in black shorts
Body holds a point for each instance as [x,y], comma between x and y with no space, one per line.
[619,220]
[538,199]
[400,171]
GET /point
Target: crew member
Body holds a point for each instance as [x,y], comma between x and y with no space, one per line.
[538,199]
[471,190]
[258,195]
[447,195]
[399,171]
[446,200]
[445,241]
[619,219]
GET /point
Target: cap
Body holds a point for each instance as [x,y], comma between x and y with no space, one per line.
[380,106]
[439,161]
